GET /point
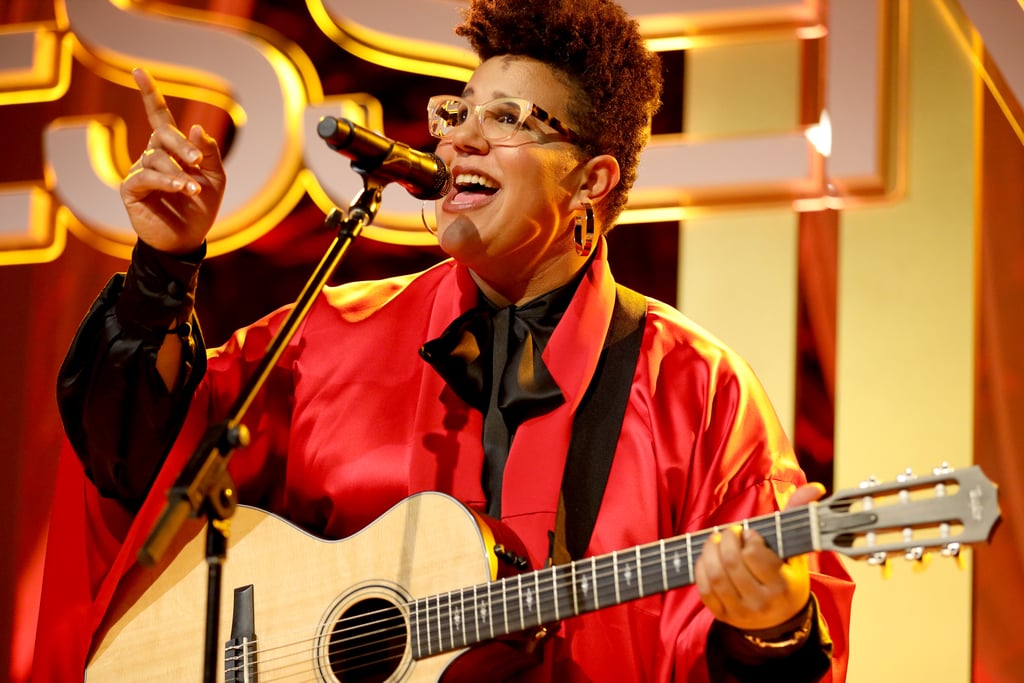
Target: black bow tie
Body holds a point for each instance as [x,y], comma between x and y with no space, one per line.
[507,343]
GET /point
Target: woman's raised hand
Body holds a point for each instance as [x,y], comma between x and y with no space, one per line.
[174,190]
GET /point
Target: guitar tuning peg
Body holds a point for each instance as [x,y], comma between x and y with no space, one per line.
[886,567]
[953,550]
[878,559]
[942,469]
[907,475]
[919,557]
[868,483]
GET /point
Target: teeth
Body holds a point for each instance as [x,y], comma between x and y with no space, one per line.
[474,179]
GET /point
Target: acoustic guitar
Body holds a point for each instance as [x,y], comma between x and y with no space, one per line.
[401,599]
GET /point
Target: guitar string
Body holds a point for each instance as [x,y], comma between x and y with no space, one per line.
[603,567]
[280,670]
[554,585]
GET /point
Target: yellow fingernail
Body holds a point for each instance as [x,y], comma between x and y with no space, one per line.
[737,529]
[716,537]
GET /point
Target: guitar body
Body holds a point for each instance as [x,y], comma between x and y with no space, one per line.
[405,597]
[427,544]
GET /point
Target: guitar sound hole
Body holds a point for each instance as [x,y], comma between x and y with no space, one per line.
[367,643]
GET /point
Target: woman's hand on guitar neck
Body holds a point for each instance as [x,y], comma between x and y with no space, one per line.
[745,584]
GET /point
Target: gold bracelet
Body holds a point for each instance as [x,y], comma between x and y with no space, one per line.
[790,640]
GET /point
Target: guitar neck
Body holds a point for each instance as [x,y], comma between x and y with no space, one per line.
[463,617]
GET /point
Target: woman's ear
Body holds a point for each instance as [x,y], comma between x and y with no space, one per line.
[600,175]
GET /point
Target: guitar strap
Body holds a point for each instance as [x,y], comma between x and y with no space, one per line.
[596,427]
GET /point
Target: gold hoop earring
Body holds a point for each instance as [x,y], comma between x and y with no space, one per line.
[423,219]
[584,242]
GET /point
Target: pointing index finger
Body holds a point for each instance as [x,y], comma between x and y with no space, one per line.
[157,111]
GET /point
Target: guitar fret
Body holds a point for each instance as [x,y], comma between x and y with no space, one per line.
[538,603]
[434,637]
[450,620]
[778,534]
[664,568]
[572,579]
[455,617]
[652,559]
[531,599]
[424,628]
[461,621]
[639,574]
[451,623]
[606,580]
[522,612]
[673,562]
[427,624]
[420,625]
[445,624]
[629,572]
[689,558]
[815,536]
[418,609]
[597,587]
[414,635]
[547,603]
[504,604]
[807,541]
[766,526]
[440,626]
[615,575]
[489,611]
[460,618]
[492,609]
[566,593]
[554,591]
[414,618]
[476,611]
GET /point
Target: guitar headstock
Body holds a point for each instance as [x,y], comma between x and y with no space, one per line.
[946,509]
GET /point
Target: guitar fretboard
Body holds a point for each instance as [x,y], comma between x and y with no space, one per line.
[448,621]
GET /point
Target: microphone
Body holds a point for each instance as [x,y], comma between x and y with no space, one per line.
[424,175]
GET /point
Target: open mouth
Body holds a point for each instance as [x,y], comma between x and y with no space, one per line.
[475,184]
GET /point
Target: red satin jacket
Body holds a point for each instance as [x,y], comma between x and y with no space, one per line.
[352,421]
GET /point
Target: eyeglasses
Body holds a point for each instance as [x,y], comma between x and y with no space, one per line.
[499,119]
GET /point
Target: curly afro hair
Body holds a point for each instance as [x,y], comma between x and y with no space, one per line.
[615,79]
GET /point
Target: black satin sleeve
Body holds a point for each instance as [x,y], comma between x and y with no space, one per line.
[117,413]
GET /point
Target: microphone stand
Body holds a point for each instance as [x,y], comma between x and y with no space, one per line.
[204,486]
